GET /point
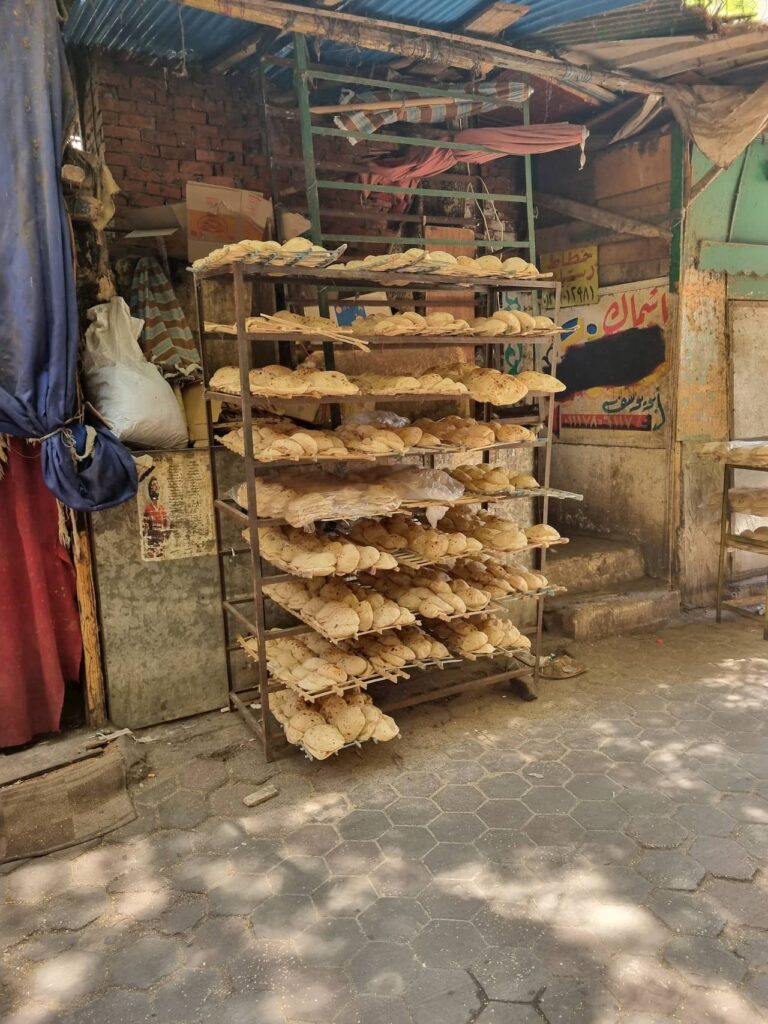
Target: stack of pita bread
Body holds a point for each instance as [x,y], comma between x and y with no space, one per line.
[339,610]
[332,723]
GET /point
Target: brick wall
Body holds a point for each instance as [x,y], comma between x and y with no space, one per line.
[157,131]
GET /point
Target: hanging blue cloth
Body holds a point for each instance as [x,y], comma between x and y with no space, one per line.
[86,467]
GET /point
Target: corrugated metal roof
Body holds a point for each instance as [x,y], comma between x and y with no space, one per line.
[163,29]
[151,28]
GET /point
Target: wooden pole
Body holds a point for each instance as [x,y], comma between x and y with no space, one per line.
[424,44]
[95,697]
[605,218]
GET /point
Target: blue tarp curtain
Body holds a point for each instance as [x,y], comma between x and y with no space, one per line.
[39,332]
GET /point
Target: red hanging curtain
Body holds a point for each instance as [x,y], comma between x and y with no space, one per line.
[40,640]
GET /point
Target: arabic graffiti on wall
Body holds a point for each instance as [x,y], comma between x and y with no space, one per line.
[614,363]
[576,269]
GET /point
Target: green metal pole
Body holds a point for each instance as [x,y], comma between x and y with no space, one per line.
[676,205]
[529,191]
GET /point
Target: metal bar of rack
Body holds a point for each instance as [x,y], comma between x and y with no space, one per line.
[256,623]
[733,541]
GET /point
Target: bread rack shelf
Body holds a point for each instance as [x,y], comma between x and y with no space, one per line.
[747,606]
[535,408]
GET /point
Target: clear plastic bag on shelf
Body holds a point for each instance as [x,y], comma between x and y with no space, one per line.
[377,418]
[413,483]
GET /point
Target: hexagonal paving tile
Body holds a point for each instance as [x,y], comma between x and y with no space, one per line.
[508,924]
[353,857]
[363,824]
[447,944]
[572,1001]
[398,877]
[514,975]
[454,860]
[451,899]
[554,830]
[656,833]
[641,983]
[393,919]
[546,773]
[639,802]
[332,940]
[704,961]
[755,764]
[586,762]
[298,874]
[312,840]
[593,787]
[549,800]
[457,827]
[728,779]
[412,810]
[144,962]
[373,795]
[671,870]
[239,895]
[600,814]
[723,858]
[754,839]
[417,783]
[458,798]
[384,968]
[461,771]
[709,821]
[504,846]
[608,847]
[448,996]
[504,814]
[502,761]
[504,786]
[406,841]
[510,1013]
[281,917]
[346,896]
[688,913]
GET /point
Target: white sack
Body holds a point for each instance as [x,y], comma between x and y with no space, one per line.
[129,392]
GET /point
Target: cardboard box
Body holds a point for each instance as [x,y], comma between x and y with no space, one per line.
[216,216]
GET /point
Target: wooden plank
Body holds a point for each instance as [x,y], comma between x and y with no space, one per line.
[495,18]
[625,273]
[423,44]
[604,218]
[95,698]
[633,251]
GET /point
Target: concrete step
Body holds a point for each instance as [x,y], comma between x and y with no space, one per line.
[589,564]
[641,604]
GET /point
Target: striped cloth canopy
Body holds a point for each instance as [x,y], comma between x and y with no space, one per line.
[482,98]
[166,339]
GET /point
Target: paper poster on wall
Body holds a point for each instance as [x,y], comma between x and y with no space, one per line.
[576,270]
[614,364]
[175,513]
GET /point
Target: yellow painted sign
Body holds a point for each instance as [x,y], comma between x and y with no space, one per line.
[576,269]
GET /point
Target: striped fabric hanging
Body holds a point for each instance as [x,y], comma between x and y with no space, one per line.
[166,339]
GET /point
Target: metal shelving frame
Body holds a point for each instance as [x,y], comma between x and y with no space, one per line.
[730,541]
[253,701]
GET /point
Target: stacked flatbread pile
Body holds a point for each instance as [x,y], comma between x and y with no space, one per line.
[283,320]
[280,382]
[432,383]
[430,593]
[390,653]
[339,610]
[255,251]
[486,385]
[438,261]
[493,532]
[402,533]
[541,535]
[482,636]
[319,554]
[543,382]
[760,534]
[462,432]
[486,479]
[305,498]
[334,722]
[499,580]
[387,325]
[312,666]
[752,501]
[512,321]
[276,440]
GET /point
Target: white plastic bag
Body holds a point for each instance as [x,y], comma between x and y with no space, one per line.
[130,393]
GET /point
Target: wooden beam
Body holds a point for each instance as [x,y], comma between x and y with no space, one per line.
[604,218]
[424,44]
[704,182]
[495,18]
[254,44]
[95,697]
